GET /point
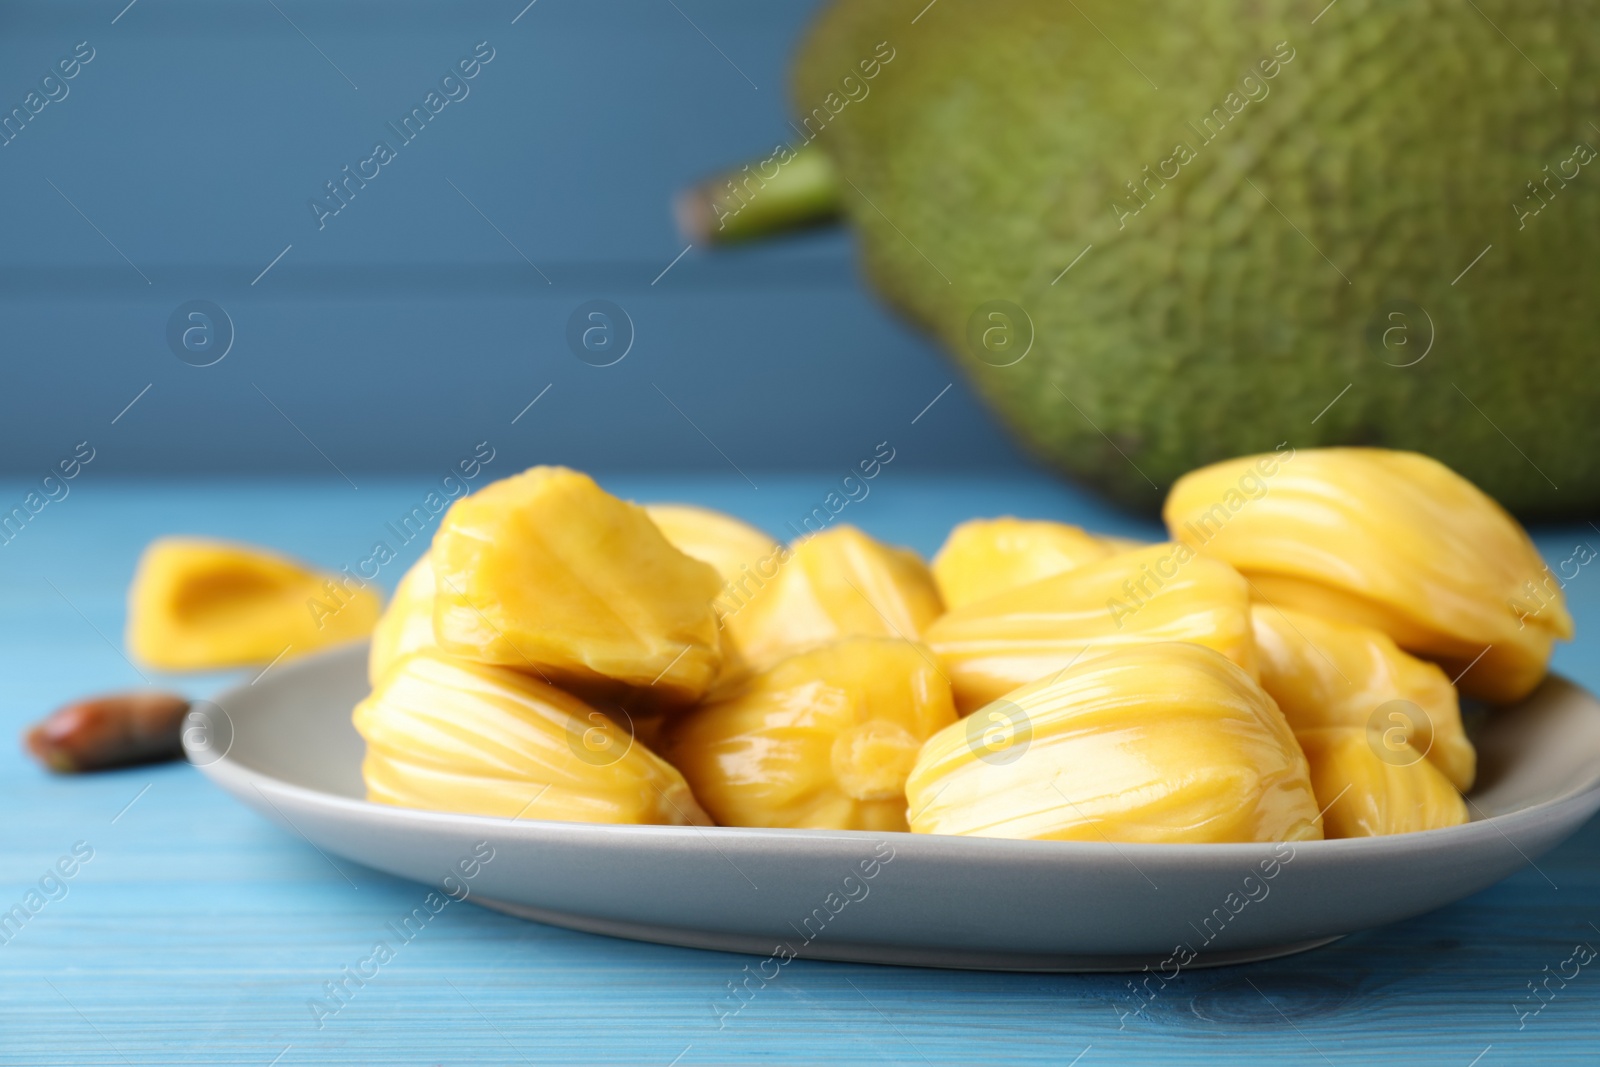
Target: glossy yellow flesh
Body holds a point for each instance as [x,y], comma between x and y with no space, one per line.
[745,560]
[1151,743]
[824,739]
[446,735]
[1371,785]
[406,625]
[984,557]
[1391,540]
[1161,593]
[733,547]
[547,572]
[1332,674]
[840,583]
[201,605]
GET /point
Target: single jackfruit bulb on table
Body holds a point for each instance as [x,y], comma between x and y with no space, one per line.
[822,740]
[1391,540]
[1153,743]
[198,604]
[1371,784]
[548,573]
[983,557]
[406,625]
[1324,673]
[1162,593]
[838,583]
[447,735]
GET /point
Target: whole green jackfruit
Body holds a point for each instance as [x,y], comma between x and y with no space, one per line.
[1233,223]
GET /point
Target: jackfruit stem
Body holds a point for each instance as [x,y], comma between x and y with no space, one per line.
[748,204]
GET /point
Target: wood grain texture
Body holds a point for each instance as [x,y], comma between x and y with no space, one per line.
[198,932]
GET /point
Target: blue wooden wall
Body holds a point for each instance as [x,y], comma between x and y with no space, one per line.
[179,163]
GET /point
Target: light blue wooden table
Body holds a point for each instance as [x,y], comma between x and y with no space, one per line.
[198,932]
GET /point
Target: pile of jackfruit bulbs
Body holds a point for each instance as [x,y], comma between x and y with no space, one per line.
[1289,666]
[1286,668]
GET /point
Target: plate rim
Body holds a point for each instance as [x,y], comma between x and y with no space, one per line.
[225,770]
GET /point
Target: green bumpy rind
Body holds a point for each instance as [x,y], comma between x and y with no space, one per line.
[1393,164]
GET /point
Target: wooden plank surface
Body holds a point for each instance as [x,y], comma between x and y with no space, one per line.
[199,933]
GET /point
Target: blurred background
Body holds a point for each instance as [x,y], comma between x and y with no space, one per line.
[428,312]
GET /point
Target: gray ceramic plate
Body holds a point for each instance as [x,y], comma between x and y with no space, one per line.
[285,747]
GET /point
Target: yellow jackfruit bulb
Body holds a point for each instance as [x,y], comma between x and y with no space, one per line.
[1391,540]
[1324,673]
[983,557]
[1162,593]
[406,625]
[1373,785]
[839,583]
[202,605]
[1154,743]
[734,548]
[1121,544]
[745,559]
[447,735]
[822,740]
[547,572]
